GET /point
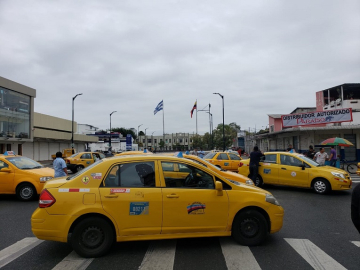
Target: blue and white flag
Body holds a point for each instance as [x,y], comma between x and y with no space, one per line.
[159,107]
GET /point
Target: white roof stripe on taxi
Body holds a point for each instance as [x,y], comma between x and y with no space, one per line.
[74,189]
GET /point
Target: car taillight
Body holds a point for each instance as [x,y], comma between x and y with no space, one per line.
[46,199]
[241,164]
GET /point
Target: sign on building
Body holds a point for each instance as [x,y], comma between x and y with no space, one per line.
[128,142]
[316,118]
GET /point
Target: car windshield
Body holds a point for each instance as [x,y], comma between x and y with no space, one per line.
[74,155]
[24,163]
[308,160]
[83,170]
[209,155]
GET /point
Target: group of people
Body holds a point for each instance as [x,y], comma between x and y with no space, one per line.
[320,157]
[199,153]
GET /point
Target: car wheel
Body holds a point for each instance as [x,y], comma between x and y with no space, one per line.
[321,186]
[79,168]
[92,237]
[26,192]
[250,228]
[352,168]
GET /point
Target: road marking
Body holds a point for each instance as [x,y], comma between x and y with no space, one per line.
[317,258]
[73,262]
[159,256]
[238,257]
[356,181]
[356,243]
[14,251]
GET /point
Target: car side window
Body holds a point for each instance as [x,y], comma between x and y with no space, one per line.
[3,165]
[270,158]
[135,174]
[222,156]
[86,156]
[290,161]
[234,157]
[187,177]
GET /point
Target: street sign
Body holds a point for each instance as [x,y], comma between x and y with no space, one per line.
[128,142]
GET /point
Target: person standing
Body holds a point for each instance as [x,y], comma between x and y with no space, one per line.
[333,157]
[254,163]
[201,153]
[290,149]
[59,166]
[355,207]
[239,151]
[321,156]
[311,152]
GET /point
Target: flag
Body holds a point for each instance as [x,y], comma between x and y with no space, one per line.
[159,107]
[194,108]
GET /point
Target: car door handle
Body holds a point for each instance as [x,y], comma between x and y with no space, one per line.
[111,196]
[172,196]
[283,168]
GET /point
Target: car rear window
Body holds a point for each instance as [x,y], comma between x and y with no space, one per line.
[209,155]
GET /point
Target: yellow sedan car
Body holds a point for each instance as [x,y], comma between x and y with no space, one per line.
[224,160]
[127,153]
[132,198]
[22,176]
[231,176]
[292,169]
[81,160]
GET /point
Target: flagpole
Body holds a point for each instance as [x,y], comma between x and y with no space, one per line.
[196,117]
[163,126]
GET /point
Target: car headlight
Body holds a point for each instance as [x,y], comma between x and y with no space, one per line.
[45,178]
[249,182]
[336,174]
[271,199]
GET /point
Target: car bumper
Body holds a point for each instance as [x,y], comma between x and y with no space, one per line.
[276,219]
[50,227]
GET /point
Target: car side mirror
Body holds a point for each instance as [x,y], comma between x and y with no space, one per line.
[6,170]
[302,166]
[219,188]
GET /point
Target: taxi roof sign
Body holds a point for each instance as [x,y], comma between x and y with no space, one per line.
[9,153]
[145,150]
[180,154]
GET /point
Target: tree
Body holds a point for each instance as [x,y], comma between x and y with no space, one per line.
[197,141]
[124,132]
[230,135]
[161,144]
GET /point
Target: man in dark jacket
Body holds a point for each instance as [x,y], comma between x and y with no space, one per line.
[254,163]
[355,207]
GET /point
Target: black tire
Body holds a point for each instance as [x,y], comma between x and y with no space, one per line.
[79,168]
[26,192]
[321,186]
[92,237]
[250,228]
[258,182]
[352,168]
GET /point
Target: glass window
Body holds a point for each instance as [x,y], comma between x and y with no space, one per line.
[169,140]
[186,176]
[290,160]
[135,174]
[15,112]
[3,164]
[234,157]
[270,158]
[86,156]
[223,156]
[209,155]
[24,163]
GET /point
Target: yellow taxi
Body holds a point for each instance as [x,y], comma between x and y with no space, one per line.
[224,160]
[134,153]
[231,176]
[293,169]
[81,160]
[358,169]
[142,197]
[22,176]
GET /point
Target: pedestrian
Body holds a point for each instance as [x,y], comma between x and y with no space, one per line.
[355,207]
[311,152]
[239,151]
[333,157]
[201,153]
[290,149]
[195,153]
[321,156]
[255,156]
[59,166]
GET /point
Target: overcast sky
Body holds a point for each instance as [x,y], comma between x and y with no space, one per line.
[264,56]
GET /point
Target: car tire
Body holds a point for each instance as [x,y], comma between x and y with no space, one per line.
[250,228]
[26,192]
[92,237]
[79,168]
[321,186]
[352,168]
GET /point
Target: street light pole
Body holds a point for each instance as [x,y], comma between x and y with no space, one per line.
[72,124]
[138,132]
[145,138]
[110,132]
[223,118]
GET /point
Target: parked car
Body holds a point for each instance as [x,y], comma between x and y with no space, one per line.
[224,160]
[81,160]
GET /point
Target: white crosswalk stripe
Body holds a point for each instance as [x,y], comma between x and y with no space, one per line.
[159,256]
[317,258]
[238,257]
[73,262]
[14,251]
[356,243]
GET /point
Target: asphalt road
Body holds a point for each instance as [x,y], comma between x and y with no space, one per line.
[317,234]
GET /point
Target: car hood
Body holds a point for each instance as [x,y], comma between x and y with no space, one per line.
[331,169]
